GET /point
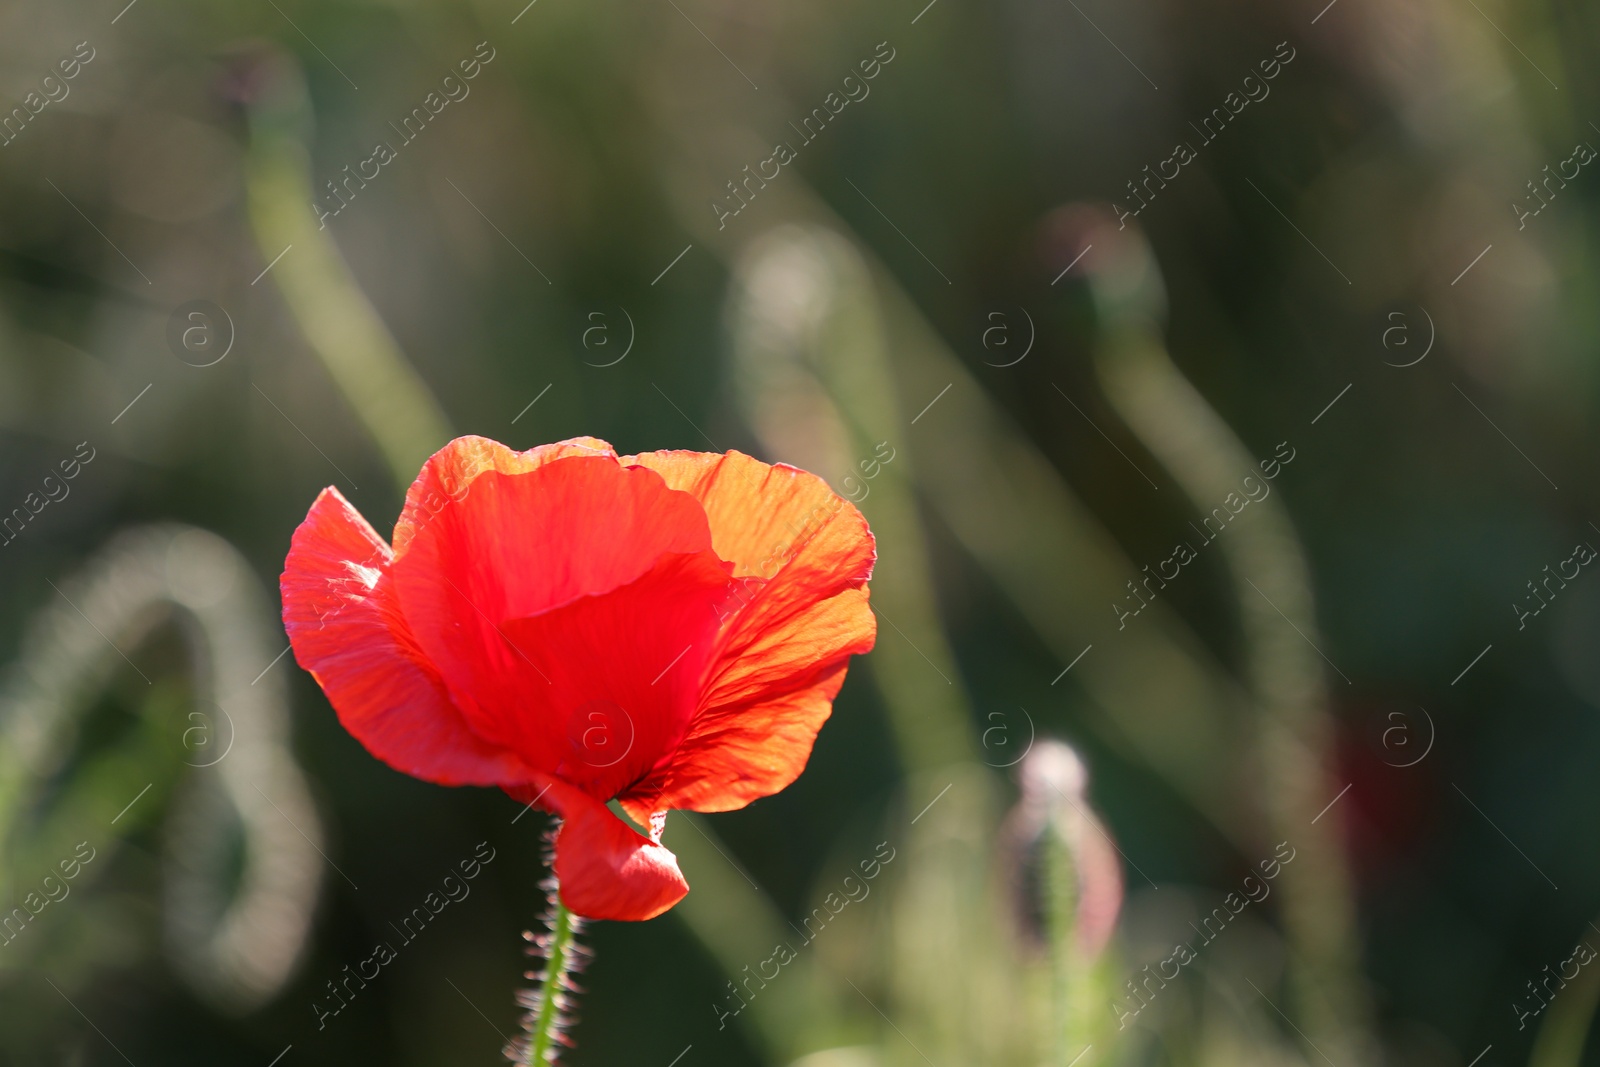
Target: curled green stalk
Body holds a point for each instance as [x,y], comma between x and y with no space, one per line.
[1283,664]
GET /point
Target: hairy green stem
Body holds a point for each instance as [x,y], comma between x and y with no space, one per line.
[542,1035]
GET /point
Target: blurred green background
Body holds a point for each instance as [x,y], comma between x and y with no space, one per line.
[937,270]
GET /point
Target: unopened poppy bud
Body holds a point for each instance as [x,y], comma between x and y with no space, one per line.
[1103,245]
[1065,873]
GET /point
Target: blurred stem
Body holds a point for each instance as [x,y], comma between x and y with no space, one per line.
[1066,958]
[325,299]
[1273,588]
[542,1035]
[818,391]
[1565,1028]
[93,789]
[738,924]
[916,667]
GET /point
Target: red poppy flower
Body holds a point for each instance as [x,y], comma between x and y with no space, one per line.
[666,630]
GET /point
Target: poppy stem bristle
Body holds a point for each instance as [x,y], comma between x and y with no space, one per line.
[549,1004]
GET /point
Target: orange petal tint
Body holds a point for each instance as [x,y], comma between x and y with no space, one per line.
[781,656]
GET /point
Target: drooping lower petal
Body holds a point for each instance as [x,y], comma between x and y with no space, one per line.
[606,869]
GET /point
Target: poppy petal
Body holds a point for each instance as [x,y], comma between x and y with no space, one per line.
[606,869]
[611,682]
[343,630]
[450,472]
[538,595]
[739,753]
[766,516]
[806,555]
